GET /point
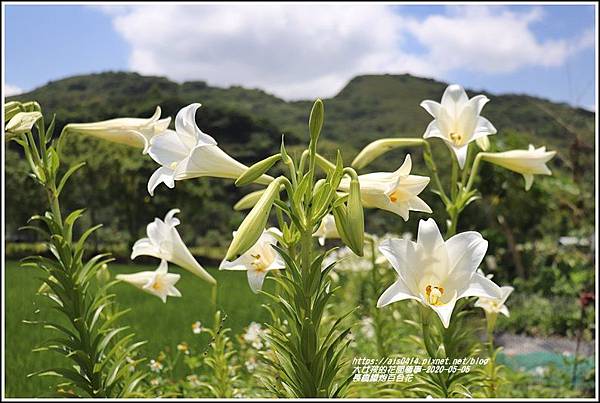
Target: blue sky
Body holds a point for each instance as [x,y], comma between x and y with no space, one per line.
[305,51]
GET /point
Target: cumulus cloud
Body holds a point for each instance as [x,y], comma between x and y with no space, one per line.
[490,40]
[306,50]
[10,90]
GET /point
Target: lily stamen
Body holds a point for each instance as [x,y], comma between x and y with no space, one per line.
[434,294]
[456,138]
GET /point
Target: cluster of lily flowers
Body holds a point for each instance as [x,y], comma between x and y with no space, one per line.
[430,270]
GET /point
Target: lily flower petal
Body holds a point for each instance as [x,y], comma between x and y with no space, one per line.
[457,121]
[327,229]
[188,152]
[435,272]
[164,242]
[396,292]
[392,191]
[160,283]
[258,260]
[496,305]
[528,162]
[135,132]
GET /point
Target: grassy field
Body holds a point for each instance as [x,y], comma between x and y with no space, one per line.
[163,325]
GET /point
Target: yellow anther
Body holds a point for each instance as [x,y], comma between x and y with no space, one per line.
[259,263]
[456,137]
[397,195]
[434,294]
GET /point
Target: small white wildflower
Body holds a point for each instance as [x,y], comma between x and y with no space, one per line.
[253,335]
[193,380]
[251,364]
[155,366]
[197,327]
[367,328]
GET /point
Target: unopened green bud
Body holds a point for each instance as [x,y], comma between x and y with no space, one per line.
[356,219]
[380,147]
[257,170]
[315,121]
[249,200]
[255,222]
[103,274]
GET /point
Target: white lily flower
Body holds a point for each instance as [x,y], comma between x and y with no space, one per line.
[392,191]
[164,242]
[258,260]
[160,282]
[135,132]
[496,305]
[526,162]
[187,152]
[435,272]
[327,229]
[457,120]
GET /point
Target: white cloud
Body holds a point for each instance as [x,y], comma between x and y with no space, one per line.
[10,90]
[306,50]
[490,40]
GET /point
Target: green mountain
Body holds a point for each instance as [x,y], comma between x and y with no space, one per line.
[248,124]
[368,107]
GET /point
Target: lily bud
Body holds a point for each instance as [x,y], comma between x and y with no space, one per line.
[22,122]
[340,214]
[11,109]
[315,121]
[257,170]
[134,132]
[253,225]
[483,143]
[380,147]
[249,200]
[356,219]
[103,274]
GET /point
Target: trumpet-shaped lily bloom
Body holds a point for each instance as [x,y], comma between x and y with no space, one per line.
[457,120]
[258,260]
[164,242]
[435,272]
[327,229]
[526,162]
[160,282]
[495,305]
[188,152]
[392,191]
[135,132]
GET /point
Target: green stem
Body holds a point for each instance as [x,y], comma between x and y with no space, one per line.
[426,331]
[467,164]
[428,157]
[376,312]
[454,180]
[214,298]
[453,213]
[493,383]
[474,169]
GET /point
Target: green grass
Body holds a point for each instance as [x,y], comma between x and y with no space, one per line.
[163,325]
